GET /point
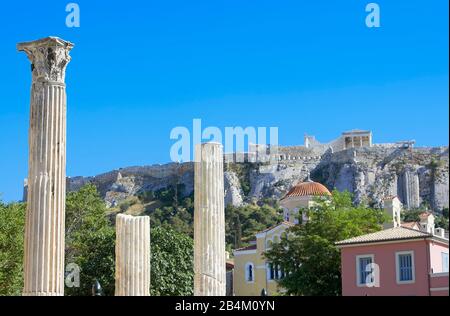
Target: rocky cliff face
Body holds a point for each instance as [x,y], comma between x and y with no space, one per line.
[419,176]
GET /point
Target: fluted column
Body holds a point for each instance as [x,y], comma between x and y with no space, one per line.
[132,255]
[209,221]
[44,228]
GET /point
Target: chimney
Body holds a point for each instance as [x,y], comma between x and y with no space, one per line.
[392,207]
[427,222]
[439,232]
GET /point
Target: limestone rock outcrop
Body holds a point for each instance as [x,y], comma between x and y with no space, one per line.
[233,191]
[369,173]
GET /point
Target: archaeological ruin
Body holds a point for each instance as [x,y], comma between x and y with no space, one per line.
[209,221]
[132,255]
[44,231]
[353,162]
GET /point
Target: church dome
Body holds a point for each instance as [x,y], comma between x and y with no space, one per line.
[309,188]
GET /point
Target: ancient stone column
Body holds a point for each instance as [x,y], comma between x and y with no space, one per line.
[44,228]
[209,221]
[132,255]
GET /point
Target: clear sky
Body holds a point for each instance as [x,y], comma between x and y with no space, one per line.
[141,68]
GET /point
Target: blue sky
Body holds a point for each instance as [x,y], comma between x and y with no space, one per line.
[141,68]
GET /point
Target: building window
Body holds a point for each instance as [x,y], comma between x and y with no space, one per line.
[275,272]
[364,270]
[270,272]
[444,256]
[405,267]
[249,272]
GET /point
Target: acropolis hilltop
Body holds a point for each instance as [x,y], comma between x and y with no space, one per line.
[353,162]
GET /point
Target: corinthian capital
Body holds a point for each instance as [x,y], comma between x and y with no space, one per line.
[49,57]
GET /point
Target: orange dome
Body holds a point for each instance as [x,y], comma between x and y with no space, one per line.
[307,188]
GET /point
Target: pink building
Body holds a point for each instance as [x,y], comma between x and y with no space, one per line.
[404,259]
[395,261]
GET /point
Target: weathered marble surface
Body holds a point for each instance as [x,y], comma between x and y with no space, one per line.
[209,221]
[132,255]
[44,228]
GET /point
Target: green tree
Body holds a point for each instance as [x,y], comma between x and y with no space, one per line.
[242,223]
[90,243]
[442,219]
[90,240]
[412,215]
[172,256]
[12,228]
[309,253]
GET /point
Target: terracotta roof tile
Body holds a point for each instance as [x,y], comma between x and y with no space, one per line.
[396,233]
[306,189]
[410,224]
[272,227]
[424,215]
[251,247]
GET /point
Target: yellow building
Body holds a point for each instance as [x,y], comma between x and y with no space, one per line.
[252,274]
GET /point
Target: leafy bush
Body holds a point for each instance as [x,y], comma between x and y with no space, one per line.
[12,229]
[172,263]
[309,252]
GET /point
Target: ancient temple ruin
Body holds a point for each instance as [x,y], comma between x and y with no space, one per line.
[44,228]
[132,255]
[46,194]
[209,221]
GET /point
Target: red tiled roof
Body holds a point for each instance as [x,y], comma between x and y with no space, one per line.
[391,234]
[251,247]
[272,227]
[306,189]
[409,224]
[424,215]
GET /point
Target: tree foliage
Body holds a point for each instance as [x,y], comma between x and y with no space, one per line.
[177,211]
[441,219]
[242,223]
[172,256]
[90,241]
[90,244]
[12,228]
[309,253]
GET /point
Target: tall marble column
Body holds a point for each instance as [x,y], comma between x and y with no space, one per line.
[209,221]
[44,228]
[132,255]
